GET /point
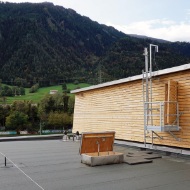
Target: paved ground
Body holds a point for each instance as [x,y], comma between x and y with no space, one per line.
[55,165]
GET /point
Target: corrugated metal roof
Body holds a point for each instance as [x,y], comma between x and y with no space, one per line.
[133,78]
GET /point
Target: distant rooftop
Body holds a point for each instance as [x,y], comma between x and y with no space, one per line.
[53,91]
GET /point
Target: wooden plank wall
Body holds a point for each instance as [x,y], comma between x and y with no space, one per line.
[172,97]
[119,108]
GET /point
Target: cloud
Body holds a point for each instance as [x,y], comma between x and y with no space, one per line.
[188,11]
[159,28]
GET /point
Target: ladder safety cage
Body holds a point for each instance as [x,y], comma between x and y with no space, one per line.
[159,116]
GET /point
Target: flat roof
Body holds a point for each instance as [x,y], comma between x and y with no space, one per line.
[133,78]
[54,164]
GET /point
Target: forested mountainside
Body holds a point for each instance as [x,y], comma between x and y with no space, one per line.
[50,44]
[43,42]
[125,57]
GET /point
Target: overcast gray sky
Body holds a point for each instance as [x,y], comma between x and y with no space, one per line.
[165,19]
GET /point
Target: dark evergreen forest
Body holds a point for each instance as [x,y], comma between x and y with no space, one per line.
[47,44]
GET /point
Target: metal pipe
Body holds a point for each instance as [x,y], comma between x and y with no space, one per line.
[177,114]
[146,71]
[144,110]
[150,54]
[160,114]
[156,50]
[145,94]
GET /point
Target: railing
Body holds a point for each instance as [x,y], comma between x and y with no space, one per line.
[161,113]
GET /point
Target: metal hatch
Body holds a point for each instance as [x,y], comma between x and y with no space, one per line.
[97,142]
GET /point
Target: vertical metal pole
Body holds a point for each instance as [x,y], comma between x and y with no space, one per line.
[147,86]
[150,49]
[146,71]
[151,117]
[144,109]
[146,99]
[5,161]
[161,115]
[150,81]
[177,114]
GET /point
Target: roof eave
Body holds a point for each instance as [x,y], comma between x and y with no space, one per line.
[134,78]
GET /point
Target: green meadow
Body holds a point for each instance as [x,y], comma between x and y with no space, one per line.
[37,96]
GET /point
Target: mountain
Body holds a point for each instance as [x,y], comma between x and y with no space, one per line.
[51,44]
[43,42]
[147,37]
[125,58]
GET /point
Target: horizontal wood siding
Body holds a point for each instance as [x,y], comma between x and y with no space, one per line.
[119,108]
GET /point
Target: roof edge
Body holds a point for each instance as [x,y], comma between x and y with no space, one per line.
[133,78]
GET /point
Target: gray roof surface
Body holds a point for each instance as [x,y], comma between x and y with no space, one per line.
[56,165]
[133,78]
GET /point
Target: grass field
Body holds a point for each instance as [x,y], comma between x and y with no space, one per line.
[37,96]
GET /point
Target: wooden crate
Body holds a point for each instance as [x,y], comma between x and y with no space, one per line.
[97,149]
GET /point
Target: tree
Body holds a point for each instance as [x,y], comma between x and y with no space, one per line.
[47,104]
[64,87]
[34,88]
[16,121]
[2,116]
[65,103]
[21,106]
[6,91]
[76,82]
[4,112]
[61,120]
[29,109]
[3,99]
[54,110]
[22,91]
[0,85]
[71,104]
[56,102]
[20,82]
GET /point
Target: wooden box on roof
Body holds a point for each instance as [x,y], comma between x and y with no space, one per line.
[97,149]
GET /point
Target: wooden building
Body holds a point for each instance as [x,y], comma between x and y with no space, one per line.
[118,106]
